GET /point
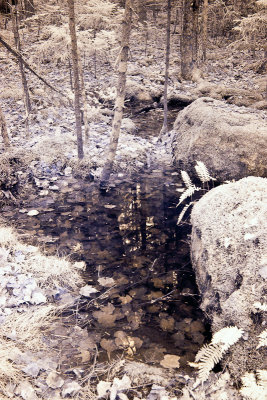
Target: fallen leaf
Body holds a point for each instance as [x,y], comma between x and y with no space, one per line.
[106,317]
[106,320]
[54,381]
[109,206]
[170,361]
[106,282]
[70,389]
[126,299]
[108,345]
[85,354]
[87,290]
[167,324]
[103,388]
[121,339]
[38,298]
[119,385]
[26,391]
[32,369]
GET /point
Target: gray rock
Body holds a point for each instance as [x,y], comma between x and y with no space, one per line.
[230,140]
[228,251]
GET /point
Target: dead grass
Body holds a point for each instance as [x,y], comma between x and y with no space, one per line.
[26,328]
[48,271]
[7,370]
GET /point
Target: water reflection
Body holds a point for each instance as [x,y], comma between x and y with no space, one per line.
[128,234]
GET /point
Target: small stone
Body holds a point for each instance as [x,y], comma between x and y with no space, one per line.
[32,213]
[55,188]
[68,171]
[44,192]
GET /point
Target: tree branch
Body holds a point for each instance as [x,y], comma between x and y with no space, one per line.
[19,56]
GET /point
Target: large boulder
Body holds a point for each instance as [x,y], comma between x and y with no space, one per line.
[230,140]
[229,256]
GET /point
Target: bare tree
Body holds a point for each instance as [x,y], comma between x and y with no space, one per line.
[204,29]
[189,37]
[76,81]
[3,129]
[27,102]
[167,64]
[121,85]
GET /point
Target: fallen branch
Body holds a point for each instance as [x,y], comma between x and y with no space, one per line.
[19,56]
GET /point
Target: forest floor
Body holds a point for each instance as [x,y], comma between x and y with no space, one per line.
[50,151]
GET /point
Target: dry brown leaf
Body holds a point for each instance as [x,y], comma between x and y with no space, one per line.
[170,361]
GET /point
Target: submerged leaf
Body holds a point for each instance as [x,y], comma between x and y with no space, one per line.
[170,361]
[87,290]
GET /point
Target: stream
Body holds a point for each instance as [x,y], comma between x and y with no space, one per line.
[127,236]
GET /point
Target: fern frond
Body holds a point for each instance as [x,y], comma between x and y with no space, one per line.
[186,179]
[202,172]
[209,352]
[251,390]
[207,357]
[227,336]
[259,306]
[262,377]
[262,339]
[188,193]
[182,213]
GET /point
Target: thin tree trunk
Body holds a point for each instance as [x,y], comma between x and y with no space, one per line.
[85,105]
[26,95]
[195,9]
[29,8]
[121,86]
[76,82]
[3,129]
[164,128]
[205,29]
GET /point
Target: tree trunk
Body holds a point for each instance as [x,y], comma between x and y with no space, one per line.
[85,105]
[195,9]
[121,85]
[189,38]
[164,128]
[205,29]
[29,8]
[3,129]
[26,95]
[76,82]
